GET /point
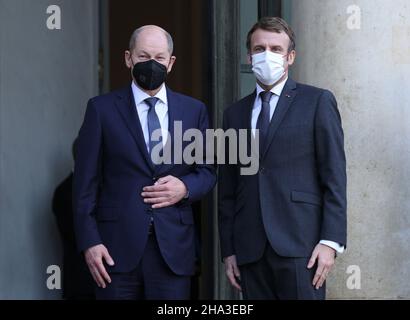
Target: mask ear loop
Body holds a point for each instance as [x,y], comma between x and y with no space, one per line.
[168,65]
[133,64]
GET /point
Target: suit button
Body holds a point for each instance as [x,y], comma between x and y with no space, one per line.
[262,170]
[150,210]
[154,179]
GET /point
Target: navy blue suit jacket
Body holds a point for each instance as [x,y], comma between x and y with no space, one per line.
[112,166]
[298,197]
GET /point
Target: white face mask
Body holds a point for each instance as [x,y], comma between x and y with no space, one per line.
[268,67]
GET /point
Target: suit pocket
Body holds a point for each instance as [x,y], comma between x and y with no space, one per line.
[305,197]
[186,215]
[107,214]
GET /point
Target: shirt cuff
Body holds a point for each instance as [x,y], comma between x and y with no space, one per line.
[334,245]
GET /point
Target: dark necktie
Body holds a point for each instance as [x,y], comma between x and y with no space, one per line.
[153,122]
[264,119]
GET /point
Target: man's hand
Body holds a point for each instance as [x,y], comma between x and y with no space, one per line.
[165,192]
[94,258]
[326,259]
[232,271]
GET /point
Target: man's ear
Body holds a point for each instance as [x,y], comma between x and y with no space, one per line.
[291,57]
[171,63]
[127,59]
[249,58]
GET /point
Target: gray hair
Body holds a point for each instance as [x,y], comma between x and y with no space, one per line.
[135,34]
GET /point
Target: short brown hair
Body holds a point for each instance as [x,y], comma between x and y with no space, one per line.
[273,24]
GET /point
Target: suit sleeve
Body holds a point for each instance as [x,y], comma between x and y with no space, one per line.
[227,182]
[202,179]
[86,179]
[331,164]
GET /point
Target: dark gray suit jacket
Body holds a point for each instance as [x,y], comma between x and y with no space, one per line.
[298,196]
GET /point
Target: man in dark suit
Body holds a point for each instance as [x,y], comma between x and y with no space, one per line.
[133,215]
[280,228]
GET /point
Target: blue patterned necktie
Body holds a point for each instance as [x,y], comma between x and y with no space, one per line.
[153,122]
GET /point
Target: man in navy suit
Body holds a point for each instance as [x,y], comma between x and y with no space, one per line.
[280,228]
[133,215]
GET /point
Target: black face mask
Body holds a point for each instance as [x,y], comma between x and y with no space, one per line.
[150,74]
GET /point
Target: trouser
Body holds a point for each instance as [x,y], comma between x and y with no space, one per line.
[151,280]
[279,278]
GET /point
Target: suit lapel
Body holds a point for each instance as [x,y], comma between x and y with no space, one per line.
[247,120]
[285,101]
[126,107]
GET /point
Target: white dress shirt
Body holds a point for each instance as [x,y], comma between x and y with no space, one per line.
[257,107]
[161,109]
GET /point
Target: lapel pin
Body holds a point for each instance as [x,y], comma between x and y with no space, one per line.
[287,95]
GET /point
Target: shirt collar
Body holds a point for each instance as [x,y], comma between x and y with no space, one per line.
[277,90]
[140,95]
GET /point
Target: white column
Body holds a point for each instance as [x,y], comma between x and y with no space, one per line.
[366,64]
